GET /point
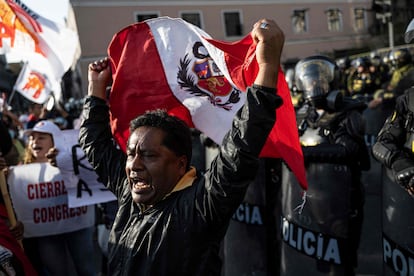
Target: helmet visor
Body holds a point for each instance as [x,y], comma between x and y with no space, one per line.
[314,76]
[409,33]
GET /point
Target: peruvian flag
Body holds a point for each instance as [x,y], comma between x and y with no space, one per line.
[171,64]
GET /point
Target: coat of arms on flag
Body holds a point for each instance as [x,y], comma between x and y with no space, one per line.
[209,81]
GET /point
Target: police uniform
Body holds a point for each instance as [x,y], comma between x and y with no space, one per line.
[394,149]
[331,130]
[395,142]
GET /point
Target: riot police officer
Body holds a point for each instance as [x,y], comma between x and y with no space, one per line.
[394,149]
[401,61]
[362,83]
[401,77]
[395,142]
[331,129]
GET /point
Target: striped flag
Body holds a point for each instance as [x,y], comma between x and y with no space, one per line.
[171,64]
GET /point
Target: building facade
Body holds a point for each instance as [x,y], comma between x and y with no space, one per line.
[311,27]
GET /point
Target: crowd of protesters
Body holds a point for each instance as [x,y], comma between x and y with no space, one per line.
[31,138]
[376,80]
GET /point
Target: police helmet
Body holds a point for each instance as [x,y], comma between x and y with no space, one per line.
[409,32]
[400,57]
[375,59]
[344,63]
[362,62]
[316,76]
[290,78]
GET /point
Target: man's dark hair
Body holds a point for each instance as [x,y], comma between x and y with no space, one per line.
[177,133]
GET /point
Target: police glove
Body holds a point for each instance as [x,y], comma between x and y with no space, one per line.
[403,170]
[410,187]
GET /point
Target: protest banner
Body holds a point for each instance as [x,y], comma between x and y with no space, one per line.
[40,201]
[83,187]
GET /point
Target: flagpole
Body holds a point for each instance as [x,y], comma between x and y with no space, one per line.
[7,202]
[11,97]
[19,77]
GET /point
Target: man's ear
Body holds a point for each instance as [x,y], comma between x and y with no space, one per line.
[183,162]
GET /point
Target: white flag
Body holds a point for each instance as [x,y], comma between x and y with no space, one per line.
[26,36]
[33,84]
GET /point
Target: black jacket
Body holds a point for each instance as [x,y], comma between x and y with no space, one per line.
[395,140]
[181,234]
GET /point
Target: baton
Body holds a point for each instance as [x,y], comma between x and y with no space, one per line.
[7,202]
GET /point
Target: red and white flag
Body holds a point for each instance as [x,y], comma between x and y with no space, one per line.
[171,64]
[33,85]
[29,37]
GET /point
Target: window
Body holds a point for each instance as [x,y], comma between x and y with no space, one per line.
[334,17]
[359,18]
[192,17]
[299,21]
[232,23]
[142,16]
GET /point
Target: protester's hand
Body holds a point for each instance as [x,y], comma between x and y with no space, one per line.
[99,77]
[17,230]
[269,39]
[51,156]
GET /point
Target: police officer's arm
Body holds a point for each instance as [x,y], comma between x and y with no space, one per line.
[389,148]
[391,138]
[389,142]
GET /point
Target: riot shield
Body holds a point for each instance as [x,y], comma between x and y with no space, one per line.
[315,235]
[251,245]
[397,227]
